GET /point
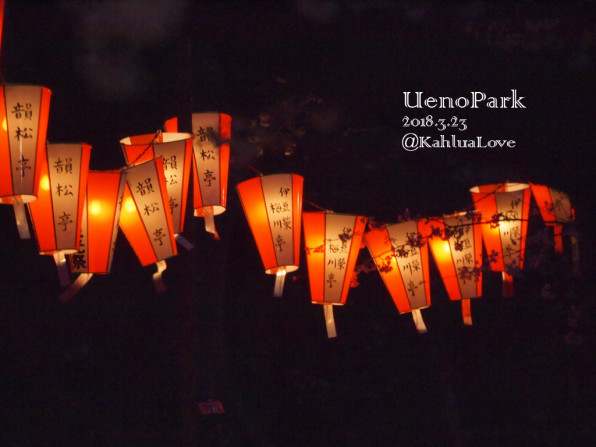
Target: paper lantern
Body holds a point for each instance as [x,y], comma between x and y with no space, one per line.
[273,207]
[146,219]
[56,214]
[332,244]
[99,228]
[505,209]
[24,111]
[401,257]
[211,147]
[555,209]
[456,244]
[176,151]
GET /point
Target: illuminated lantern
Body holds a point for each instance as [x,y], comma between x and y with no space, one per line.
[176,151]
[273,207]
[211,147]
[24,111]
[332,244]
[56,214]
[401,257]
[99,228]
[146,219]
[456,244]
[555,209]
[505,209]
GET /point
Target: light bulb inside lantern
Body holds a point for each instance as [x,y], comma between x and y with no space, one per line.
[4,126]
[95,207]
[129,205]
[45,183]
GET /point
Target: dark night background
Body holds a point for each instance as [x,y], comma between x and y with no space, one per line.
[315,88]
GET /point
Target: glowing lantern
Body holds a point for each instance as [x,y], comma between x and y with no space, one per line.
[273,207]
[456,244]
[332,244]
[24,111]
[56,214]
[99,228]
[176,151]
[146,219]
[401,258]
[211,145]
[505,208]
[555,209]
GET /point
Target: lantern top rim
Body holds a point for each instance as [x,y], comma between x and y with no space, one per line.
[68,143]
[210,112]
[176,136]
[10,84]
[499,188]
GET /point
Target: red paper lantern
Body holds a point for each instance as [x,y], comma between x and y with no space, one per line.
[555,209]
[56,214]
[456,244]
[211,146]
[401,257]
[505,208]
[99,227]
[273,207]
[24,112]
[332,244]
[146,219]
[176,151]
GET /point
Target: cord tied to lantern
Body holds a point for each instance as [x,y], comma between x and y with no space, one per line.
[158,276]
[280,279]
[62,266]
[418,321]
[329,321]
[21,218]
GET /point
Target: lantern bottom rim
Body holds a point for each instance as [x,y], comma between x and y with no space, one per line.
[18,198]
[287,268]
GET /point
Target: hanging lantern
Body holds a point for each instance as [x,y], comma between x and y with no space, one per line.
[99,228]
[505,209]
[176,151]
[401,258]
[555,209]
[24,111]
[211,146]
[456,244]
[332,244]
[56,214]
[146,219]
[273,207]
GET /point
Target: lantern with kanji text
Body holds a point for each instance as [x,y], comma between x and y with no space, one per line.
[332,243]
[273,207]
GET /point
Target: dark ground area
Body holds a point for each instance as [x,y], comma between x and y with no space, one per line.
[120,365]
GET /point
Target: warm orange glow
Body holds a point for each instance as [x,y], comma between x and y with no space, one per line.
[555,209]
[57,212]
[332,243]
[146,220]
[505,209]
[17,181]
[273,207]
[402,263]
[211,146]
[176,151]
[99,224]
[45,183]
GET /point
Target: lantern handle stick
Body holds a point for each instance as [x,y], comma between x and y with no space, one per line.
[280,278]
[418,321]
[74,288]
[21,217]
[329,320]
[158,276]
[466,311]
[62,266]
[313,204]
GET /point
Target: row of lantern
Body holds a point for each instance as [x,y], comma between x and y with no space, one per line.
[76,211]
[273,205]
